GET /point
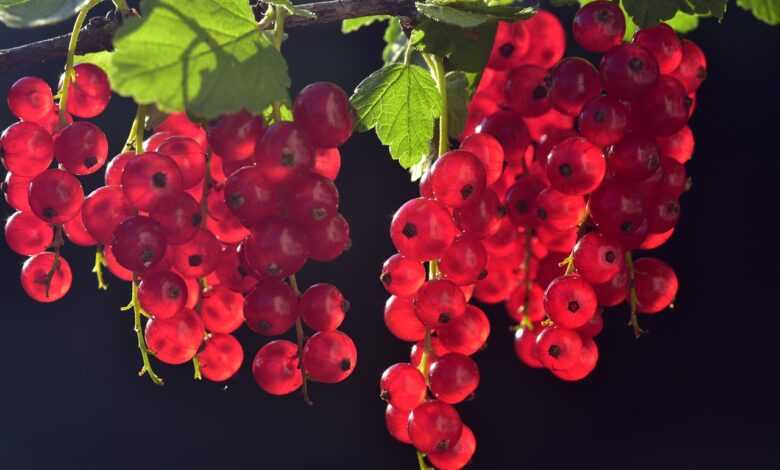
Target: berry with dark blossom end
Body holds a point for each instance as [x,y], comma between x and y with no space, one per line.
[139,243]
[422,229]
[586,362]
[510,45]
[276,248]
[283,151]
[179,215]
[46,277]
[628,71]
[188,156]
[576,167]
[329,356]
[468,333]
[55,196]
[434,426]
[597,259]
[457,178]
[251,196]
[148,177]
[570,301]
[439,302]
[453,377]
[464,261]
[527,90]
[271,308]
[599,26]
[558,348]
[81,148]
[662,41]
[276,368]
[199,256]
[603,121]
[162,294]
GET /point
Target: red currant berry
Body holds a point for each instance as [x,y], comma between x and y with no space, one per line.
[81,148]
[233,274]
[663,43]
[271,308]
[458,456]
[329,356]
[576,167]
[283,151]
[527,91]
[139,243]
[464,261]
[276,248]
[401,319]
[619,212]
[614,291]
[148,177]
[603,121]
[548,40]
[323,111]
[599,26]
[402,276]
[41,282]
[199,256]
[509,47]
[693,66]
[663,212]
[422,229]
[103,210]
[665,107]
[434,426]
[655,283]
[55,196]
[678,146]
[628,71]
[586,362]
[597,259]
[482,218]
[27,149]
[402,386]
[329,238]
[188,156]
[30,98]
[327,162]
[525,346]
[574,82]
[114,267]
[26,234]
[438,302]
[175,340]
[222,310]
[521,200]
[179,215]
[507,127]
[77,233]
[557,210]
[654,240]
[490,153]
[251,196]
[570,301]
[89,92]
[323,307]
[466,334]
[453,377]
[397,422]
[162,294]
[15,192]
[457,178]
[558,348]
[526,302]
[310,198]
[115,168]
[221,357]
[234,136]
[180,124]
[276,368]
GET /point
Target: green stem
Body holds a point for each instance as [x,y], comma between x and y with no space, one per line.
[100,261]
[122,6]
[146,368]
[279,16]
[421,461]
[74,39]
[632,298]
[138,128]
[526,322]
[439,75]
[196,369]
[300,336]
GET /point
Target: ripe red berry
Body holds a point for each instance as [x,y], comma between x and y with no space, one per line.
[30,98]
[103,210]
[557,210]
[558,348]
[323,111]
[26,234]
[81,148]
[401,319]
[397,423]
[619,212]
[466,334]
[323,307]
[574,82]
[576,167]
[197,257]
[327,162]
[521,200]
[188,156]
[233,274]
[548,40]
[329,238]
[599,26]
[179,215]
[283,151]
[402,276]
[457,178]
[482,218]
[42,283]
[663,43]
[439,302]
[594,326]
[453,377]
[251,196]
[115,168]
[222,310]
[614,291]
[234,136]
[457,456]
[586,362]
[276,368]
[329,356]
[27,149]
[89,92]
[434,426]
[276,248]
[310,198]
[663,212]
[77,233]
[507,127]
[180,124]
[55,196]
[603,121]
[139,243]
[114,267]
[490,153]
[221,357]
[693,66]
[162,294]
[422,229]
[526,303]
[464,261]
[655,283]
[403,386]
[570,301]
[271,308]
[175,340]
[678,146]
[654,240]
[148,177]
[15,191]
[527,90]
[597,259]
[525,346]
[665,107]
[628,71]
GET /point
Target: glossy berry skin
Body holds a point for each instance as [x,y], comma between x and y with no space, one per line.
[548,39]
[323,111]
[276,368]
[115,168]
[199,256]
[401,319]
[665,107]
[162,294]
[89,92]
[457,456]
[310,198]
[693,66]
[589,356]
[663,212]
[613,292]
[628,71]
[15,191]
[329,356]
[656,285]
[402,276]
[453,377]
[510,45]
[329,238]
[634,158]
[28,149]
[220,358]
[323,307]
[464,261]
[35,272]
[283,151]
[526,303]
[276,248]
[188,156]
[603,121]
[574,82]
[251,196]
[271,308]
[466,334]
[570,301]
[597,259]
[422,229]
[482,218]
[678,146]
[599,26]
[55,196]
[179,215]
[103,210]
[26,234]
[558,348]
[439,302]
[403,386]
[139,243]
[434,426]
[664,44]
[527,91]
[180,124]
[222,310]
[233,274]
[557,210]
[521,200]
[114,267]
[397,423]
[490,153]
[77,233]
[507,127]
[148,177]
[619,212]
[234,136]
[576,167]
[525,346]
[327,162]
[175,340]
[81,148]
[30,98]
[457,178]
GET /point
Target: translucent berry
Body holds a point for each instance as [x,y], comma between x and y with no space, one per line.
[115,168]
[586,362]
[482,218]
[558,348]
[434,426]
[402,276]
[619,212]
[188,156]
[41,282]
[30,98]
[329,356]
[547,37]
[510,45]
[403,386]
[162,294]
[276,248]
[27,149]
[574,82]
[15,192]
[276,368]
[453,377]
[665,107]
[634,158]
[457,178]
[527,90]
[220,358]
[222,310]
[599,26]
[148,177]
[490,153]
[678,146]
[464,261]
[81,148]
[199,256]
[103,210]
[603,121]
[323,111]
[507,127]
[234,136]
[180,124]
[323,307]
[526,303]
[329,238]
[557,210]
[327,162]
[283,151]
[656,285]
[175,340]
[179,215]
[693,66]
[401,319]
[525,346]
[77,233]
[570,301]
[438,302]
[310,198]
[397,423]
[663,43]
[466,334]
[139,243]
[628,71]
[271,308]
[26,234]
[576,167]
[422,229]
[597,259]
[89,91]
[55,196]
[251,196]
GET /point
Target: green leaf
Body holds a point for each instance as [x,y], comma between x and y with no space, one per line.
[291,9]
[457,103]
[767,11]
[464,19]
[650,12]
[716,8]
[465,49]
[401,102]
[285,111]
[684,22]
[203,56]
[101,59]
[30,13]
[395,42]
[353,24]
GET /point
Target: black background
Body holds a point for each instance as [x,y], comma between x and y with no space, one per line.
[697,392]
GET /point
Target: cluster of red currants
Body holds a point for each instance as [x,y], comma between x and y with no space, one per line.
[209,224]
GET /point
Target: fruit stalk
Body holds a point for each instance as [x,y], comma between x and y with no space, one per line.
[68,75]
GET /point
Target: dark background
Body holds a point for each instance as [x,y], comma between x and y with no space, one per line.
[697,392]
